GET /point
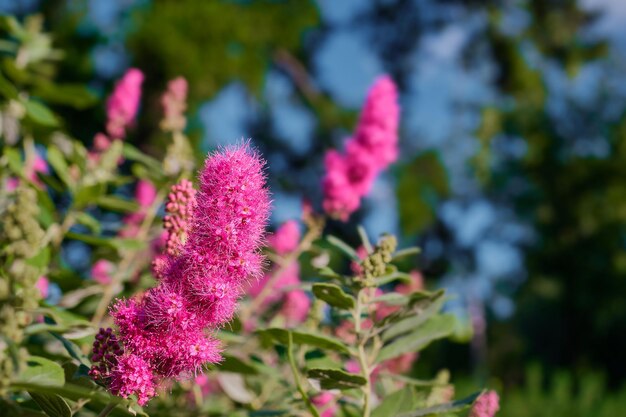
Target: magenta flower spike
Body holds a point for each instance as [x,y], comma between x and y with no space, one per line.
[166,333]
[123,103]
[350,176]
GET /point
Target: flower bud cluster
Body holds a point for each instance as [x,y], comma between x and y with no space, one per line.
[375,264]
[179,209]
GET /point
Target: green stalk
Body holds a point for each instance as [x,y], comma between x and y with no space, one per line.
[296,377]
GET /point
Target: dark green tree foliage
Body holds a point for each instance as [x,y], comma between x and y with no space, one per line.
[212,43]
[572,308]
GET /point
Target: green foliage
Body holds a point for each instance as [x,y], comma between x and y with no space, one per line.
[421,185]
[562,395]
[214,43]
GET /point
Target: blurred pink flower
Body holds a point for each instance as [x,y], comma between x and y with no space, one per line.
[101,271]
[325,402]
[42,286]
[123,103]
[486,405]
[174,105]
[296,307]
[286,238]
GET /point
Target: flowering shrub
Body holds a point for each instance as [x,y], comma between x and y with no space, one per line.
[201,312]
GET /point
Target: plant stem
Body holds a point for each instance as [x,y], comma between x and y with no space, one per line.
[362,357]
[296,377]
[106,410]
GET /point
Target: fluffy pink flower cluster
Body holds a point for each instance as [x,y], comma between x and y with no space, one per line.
[166,333]
[349,176]
[296,303]
[487,405]
[122,105]
[174,103]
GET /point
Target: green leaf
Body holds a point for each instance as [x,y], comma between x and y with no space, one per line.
[451,407]
[333,295]
[15,160]
[92,240]
[91,222]
[117,204]
[57,160]
[134,154]
[236,365]
[52,404]
[75,95]
[421,184]
[336,379]
[405,252]
[343,246]
[41,260]
[304,338]
[40,113]
[437,327]
[422,306]
[41,372]
[364,239]
[85,196]
[397,402]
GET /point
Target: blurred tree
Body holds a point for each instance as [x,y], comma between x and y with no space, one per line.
[568,185]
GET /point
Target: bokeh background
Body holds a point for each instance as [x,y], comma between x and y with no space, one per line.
[512,175]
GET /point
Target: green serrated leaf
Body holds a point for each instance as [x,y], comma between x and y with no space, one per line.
[336,379]
[304,338]
[451,407]
[51,404]
[41,372]
[437,327]
[40,113]
[333,295]
[422,306]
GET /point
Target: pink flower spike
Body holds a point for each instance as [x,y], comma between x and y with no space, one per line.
[373,147]
[174,105]
[167,333]
[486,405]
[123,103]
